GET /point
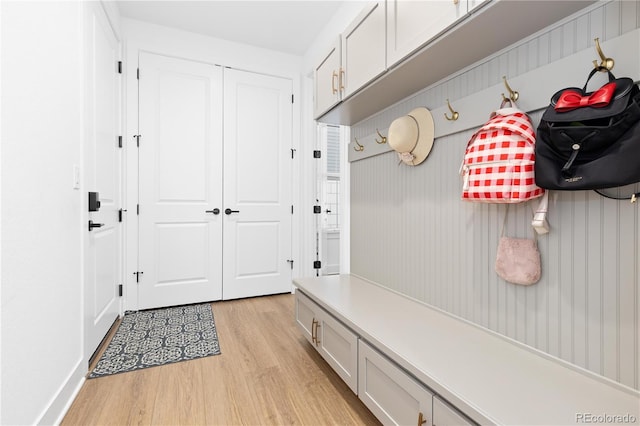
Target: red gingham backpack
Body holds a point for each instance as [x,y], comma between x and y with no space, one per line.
[498,165]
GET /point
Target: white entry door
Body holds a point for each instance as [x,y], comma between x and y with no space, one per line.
[102,163]
[180,182]
[257,184]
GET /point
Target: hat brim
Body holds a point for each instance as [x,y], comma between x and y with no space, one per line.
[426,128]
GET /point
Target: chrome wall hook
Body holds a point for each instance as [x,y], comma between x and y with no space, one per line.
[383,139]
[513,95]
[358,148]
[454,114]
[606,64]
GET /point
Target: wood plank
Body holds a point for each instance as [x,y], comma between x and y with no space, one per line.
[267,374]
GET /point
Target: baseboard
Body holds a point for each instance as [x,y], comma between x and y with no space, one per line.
[61,402]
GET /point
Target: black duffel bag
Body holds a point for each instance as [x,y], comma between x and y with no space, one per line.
[590,140]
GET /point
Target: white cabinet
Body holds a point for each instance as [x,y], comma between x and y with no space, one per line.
[327,92]
[355,58]
[363,48]
[411,23]
[336,343]
[392,395]
[473,4]
[445,415]
[327,89]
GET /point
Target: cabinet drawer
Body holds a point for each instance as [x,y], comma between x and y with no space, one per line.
[445,415]
[339,347]
[306,316]
[393,396]
[336,343]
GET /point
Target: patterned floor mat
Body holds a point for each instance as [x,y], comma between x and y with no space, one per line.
[157,337]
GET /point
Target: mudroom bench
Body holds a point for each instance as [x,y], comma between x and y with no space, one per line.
[414,364]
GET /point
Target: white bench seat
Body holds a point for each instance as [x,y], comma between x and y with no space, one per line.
[488,377]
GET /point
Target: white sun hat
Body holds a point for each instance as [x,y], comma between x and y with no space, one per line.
[411,136]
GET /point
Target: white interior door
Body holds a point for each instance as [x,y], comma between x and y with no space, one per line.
[257,184]
[102,162]
[180,175]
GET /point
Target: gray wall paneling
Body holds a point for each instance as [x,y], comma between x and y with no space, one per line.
[411,233]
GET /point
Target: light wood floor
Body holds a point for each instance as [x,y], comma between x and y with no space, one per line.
[267,374]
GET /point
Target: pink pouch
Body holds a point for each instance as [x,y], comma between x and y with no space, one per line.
[518,260]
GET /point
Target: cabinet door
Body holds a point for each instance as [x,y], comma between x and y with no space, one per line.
[327,81]
[472,4]
[363,48]
[393,397]
[339,347]
[445,415]
[411,24]
[306,316]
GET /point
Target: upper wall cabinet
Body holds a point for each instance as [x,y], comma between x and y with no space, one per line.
[429,40]
[327,80]
[355,58]
[411,23]
[363,48]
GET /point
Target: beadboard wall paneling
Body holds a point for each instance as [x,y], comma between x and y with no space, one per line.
[411,232]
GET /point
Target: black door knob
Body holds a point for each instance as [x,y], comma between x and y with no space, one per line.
[229,211]
[214,211]
[95,225]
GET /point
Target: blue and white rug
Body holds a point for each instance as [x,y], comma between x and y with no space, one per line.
[159,336]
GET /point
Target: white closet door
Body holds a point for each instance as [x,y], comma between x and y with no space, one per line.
[257,184]
[180,169]
[103,245]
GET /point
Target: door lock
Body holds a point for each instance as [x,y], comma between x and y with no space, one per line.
[95,225]
[214,211]
[228,211]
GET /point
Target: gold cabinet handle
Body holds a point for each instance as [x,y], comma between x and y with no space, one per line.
[313,331]
[421,419]
[317,340]
[334,75]
[342,75]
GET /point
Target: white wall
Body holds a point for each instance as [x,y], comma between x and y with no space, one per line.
[42,108]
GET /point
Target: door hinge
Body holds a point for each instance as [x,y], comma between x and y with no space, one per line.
[119,67]
[317,154]
[137,137]
[137,274]
[293,152]
[120,290]
[292,98]
[119,141]
[317,209]
[317,264]
[291,208]
[120,214]
[138,209]
[138,73]
[290,262]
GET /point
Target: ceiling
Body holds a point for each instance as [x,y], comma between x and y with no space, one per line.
[285,26]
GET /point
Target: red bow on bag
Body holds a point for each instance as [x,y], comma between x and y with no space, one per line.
[572,99]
